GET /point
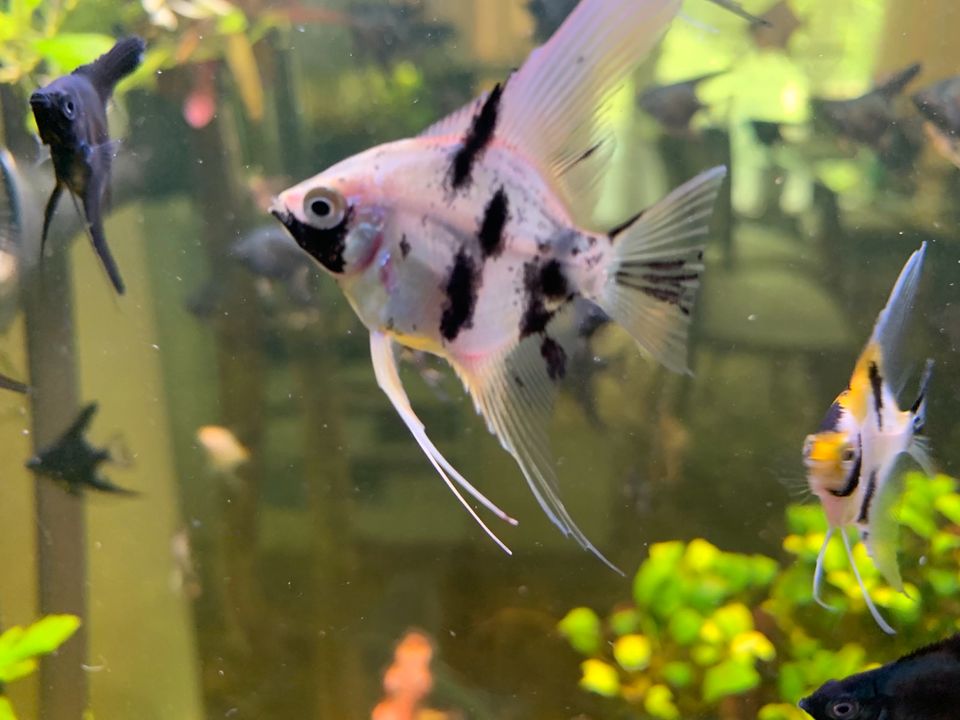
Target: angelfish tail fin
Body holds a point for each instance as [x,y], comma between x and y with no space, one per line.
[114,65]
[655,270]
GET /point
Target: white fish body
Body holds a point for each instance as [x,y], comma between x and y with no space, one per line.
[852,460]
[471,241]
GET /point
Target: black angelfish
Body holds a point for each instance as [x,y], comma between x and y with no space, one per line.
[924,685]
[73,462]
[675,105]
[71,115]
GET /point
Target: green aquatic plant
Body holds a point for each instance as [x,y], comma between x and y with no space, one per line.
[706,626]
[20,649]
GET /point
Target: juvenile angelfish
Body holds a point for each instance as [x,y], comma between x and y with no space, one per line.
[71,114]
[471,241]
[924,685]
[851,460]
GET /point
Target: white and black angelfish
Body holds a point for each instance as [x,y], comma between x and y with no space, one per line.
[472,241]
[851,460]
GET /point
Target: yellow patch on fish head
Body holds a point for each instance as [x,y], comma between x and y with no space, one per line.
[831,459]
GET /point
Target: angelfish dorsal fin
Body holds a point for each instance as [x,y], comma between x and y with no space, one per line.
[553,107]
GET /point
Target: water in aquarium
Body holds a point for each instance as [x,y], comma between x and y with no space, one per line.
[479,360]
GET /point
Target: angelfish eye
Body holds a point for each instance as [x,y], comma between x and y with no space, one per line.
[843,709]
[68,108]
[324,208]
[848,454]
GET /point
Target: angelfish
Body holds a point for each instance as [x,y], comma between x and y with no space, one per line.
[852,459]
[471,241]
[71,114]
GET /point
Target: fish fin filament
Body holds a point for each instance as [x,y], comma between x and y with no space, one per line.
[818,571]
[514,392]
[883,624]
[655,271]
[388,379]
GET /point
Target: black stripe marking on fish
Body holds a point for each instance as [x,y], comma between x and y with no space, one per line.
[624,225]
[404,246]
[876,384]
[555,357]
[542,284]
[477,138]
[461,292]
[831,421]
[494,221]
[868,494]
[324,246]
[853,479]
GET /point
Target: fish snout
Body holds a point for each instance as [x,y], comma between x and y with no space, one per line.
[40,99]
[805,705]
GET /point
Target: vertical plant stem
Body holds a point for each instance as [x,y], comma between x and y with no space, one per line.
[61,536]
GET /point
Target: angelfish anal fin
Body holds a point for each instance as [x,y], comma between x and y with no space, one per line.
[385,369]
[514,391]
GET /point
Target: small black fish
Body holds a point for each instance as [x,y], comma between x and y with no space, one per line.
[674,105]
[8,383]
[73,462]
[924,685]
[870,118]
[71,114]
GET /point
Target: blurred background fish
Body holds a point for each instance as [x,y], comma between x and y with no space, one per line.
[940,106]
[270,254]
[224,453]
[674,105]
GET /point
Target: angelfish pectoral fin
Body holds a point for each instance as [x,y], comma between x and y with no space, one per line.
[385,369]
[48,213]
[92,211]
[818,572]
[514,393]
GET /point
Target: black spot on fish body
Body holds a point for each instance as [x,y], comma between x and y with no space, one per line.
[553,282]
[545,290]
[495,215]
[404,246]
[324,246]
[876,384]
[477,138]
[868,492]
[555,358]
[461,293]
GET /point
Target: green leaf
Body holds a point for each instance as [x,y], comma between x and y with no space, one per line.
[632,652]
[581,627]
[6,709]
[233,22]
[659,703]
[67,51]
[19,645]
[729,678]
[657,571]
[679,674]
[685,626]
[949,506]
[733,619]
[600,678]
[624,622]
[17,669]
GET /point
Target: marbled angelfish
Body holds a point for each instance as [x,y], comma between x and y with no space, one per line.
[470,241]
[851,460]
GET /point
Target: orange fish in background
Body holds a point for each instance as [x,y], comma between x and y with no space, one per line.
[408,681]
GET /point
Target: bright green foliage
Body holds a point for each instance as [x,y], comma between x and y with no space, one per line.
[21,647]
[706,625]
